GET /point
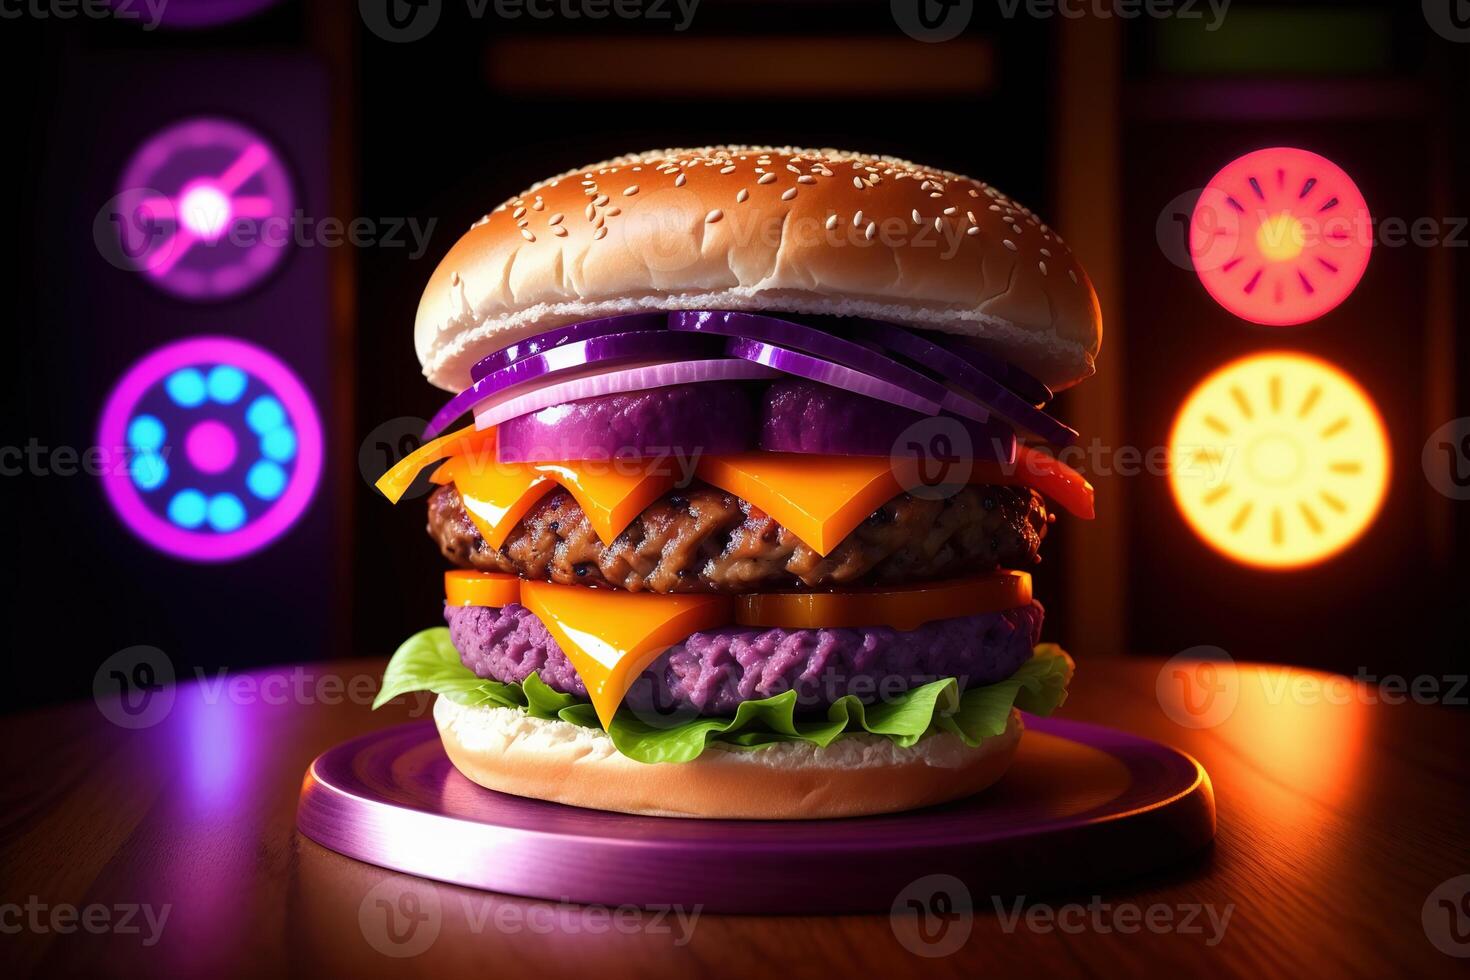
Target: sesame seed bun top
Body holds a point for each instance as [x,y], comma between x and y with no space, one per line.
[763,228]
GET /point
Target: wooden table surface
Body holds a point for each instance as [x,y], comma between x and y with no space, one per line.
[1339,815]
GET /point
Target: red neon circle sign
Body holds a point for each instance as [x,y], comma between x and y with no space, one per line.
[1280,236]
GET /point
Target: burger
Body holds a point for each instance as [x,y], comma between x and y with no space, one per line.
[746,465]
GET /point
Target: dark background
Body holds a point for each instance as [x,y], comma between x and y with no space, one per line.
[442,129]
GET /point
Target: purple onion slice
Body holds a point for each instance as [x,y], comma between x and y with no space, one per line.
[645,346]
[599,380]
[811,340]
[566,334]
[969,379]
[827,373]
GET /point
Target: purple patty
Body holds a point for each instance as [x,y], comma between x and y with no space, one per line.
[710,673]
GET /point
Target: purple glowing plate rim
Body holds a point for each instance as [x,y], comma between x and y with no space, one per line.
[546,850]
[282,514]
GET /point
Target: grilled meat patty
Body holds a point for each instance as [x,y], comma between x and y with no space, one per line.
[702,539]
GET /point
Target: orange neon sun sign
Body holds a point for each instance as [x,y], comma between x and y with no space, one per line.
[1280,460]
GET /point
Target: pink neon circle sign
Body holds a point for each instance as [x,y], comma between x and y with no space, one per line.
[1280,236]
[204,209]
[248,441]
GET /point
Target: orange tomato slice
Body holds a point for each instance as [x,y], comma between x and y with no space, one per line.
[905,608]
[464,587]
[1045,474]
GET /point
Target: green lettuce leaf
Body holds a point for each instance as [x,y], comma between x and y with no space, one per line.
[428,661]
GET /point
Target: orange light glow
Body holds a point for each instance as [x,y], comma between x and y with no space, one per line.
[1280,236]
[1279,460]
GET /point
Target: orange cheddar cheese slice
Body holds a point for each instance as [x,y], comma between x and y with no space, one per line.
[612,636]
[612,492]
[495,495]
[820,499]
[469,441]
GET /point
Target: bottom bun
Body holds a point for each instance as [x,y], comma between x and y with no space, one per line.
[506,749]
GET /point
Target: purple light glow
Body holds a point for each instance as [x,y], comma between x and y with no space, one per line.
[211,446]
[194,14]
[216,433]
[203,209]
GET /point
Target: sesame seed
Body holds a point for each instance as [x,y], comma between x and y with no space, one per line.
[788,194]
[613,212]
[858,183]
[728,170]
[538,205]
[872,230]
[950,210]
[526,234]
[599,234]
[939,224]
[522,223]
[1072,273]
[741,195]
[1042,267]
[765,178]
[679,180]
[600,200]
[917,220]
[806,179]
[936,194]
[832,222]
[555,219]
[454,279]
[518,212]
[857,220]
[971,216]
[972,231]
[630,191]
[1009,244]
[560,231]
[714,216]
[1046,252]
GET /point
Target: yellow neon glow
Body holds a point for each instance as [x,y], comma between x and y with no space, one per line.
[1280,460]
[1281,238]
